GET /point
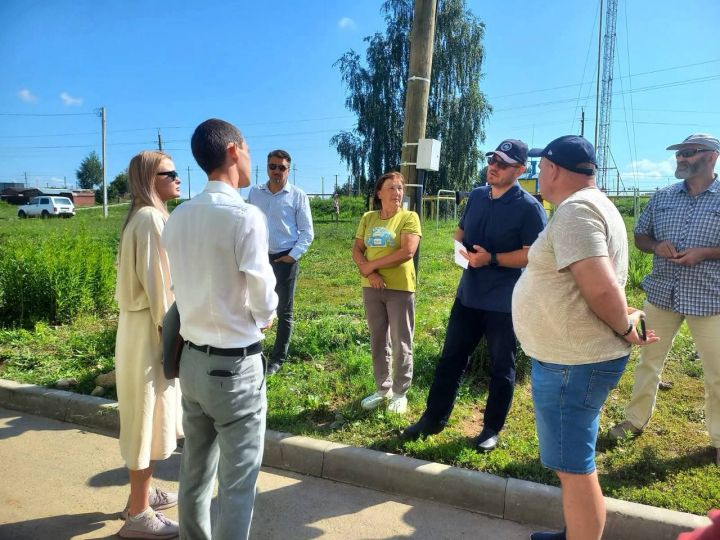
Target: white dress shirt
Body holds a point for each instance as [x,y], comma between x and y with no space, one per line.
[223,282]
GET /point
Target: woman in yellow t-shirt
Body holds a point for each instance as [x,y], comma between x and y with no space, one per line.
[385,243]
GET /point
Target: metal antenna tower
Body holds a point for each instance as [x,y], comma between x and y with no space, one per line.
[602,145]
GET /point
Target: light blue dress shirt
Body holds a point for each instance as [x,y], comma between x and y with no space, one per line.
[288,217]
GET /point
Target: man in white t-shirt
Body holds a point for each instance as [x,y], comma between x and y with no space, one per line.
[571,317]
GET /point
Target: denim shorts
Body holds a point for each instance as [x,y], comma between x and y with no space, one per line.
[567,402]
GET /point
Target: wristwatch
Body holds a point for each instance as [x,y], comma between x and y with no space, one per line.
[493,259]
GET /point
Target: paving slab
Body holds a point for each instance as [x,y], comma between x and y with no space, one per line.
[514,500]
[62,482]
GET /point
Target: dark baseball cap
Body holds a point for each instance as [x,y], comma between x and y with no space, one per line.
[511,151]
[568,152]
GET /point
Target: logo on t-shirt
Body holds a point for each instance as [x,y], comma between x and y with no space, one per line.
[380,237]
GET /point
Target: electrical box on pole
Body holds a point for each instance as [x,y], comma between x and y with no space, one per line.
[428,155]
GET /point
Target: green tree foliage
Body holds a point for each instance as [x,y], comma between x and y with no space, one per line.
[118,187]
[457,109]
[89,174]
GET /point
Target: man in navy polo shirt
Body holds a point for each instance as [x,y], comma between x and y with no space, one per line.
[500,222]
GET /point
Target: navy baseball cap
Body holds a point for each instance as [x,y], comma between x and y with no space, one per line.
[511,151]
[568,152]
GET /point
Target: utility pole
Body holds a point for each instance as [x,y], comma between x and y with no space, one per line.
[294,171]
[189,183]
[336,184]
[104,163]
[582,122]
[159,141]
[26,179]
[422,36]
[257,173]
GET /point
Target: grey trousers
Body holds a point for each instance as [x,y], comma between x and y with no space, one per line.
[224,405]
[390,316]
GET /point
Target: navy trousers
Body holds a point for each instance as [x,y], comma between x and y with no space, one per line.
[465,329]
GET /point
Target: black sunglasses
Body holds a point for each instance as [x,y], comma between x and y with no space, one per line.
[172,175]
[691,152]
[273,166]
[500,164]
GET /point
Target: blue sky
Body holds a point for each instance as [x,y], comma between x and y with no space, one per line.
[268,67]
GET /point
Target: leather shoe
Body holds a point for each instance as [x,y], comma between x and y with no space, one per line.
[273,368]
[486,441]
[421,429]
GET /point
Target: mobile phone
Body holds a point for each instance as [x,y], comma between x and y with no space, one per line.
[642,331]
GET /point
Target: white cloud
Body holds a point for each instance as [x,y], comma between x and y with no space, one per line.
[67,99]
[346,23]
[647,168]
[27,96]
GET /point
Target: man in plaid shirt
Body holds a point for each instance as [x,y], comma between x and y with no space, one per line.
[681,228]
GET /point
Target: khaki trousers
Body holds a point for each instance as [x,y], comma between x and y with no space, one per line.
[706,333]
[390,316]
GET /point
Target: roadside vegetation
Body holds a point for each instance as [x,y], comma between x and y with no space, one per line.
[58,320]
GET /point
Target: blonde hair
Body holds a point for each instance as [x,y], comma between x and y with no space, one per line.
[142,175]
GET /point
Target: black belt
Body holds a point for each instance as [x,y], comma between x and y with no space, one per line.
[238,351]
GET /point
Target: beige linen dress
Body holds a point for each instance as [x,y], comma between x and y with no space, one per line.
[149,404]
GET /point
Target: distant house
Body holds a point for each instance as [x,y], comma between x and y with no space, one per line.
[22,195]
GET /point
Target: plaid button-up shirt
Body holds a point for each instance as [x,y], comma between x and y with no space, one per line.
[688,222]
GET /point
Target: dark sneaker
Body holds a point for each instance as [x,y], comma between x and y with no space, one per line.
[273,368]
[548,535]
[159,500]
[152,525]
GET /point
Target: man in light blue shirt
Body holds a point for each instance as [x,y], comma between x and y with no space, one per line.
[291,232]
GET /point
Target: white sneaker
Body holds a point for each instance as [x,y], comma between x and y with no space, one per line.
[374,400]
[398,405]
[158,499]
[152,525]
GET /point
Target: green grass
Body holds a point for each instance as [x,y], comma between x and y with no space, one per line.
[318,393]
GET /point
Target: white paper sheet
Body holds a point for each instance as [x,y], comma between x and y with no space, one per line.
[459,259]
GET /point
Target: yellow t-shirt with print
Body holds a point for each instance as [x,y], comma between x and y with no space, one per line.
[381,238]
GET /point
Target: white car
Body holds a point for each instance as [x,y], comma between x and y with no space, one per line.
[46,206]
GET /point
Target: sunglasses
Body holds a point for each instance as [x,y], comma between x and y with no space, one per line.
[172,175]
[500,164]
[273,166]
[691,152]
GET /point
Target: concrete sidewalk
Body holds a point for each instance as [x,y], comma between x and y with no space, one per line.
[510,499]
[60,482]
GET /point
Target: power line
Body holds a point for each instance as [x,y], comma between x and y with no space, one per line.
[583,83]
[637,90]
[45,115]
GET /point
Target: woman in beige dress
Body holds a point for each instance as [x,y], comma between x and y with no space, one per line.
[150,412]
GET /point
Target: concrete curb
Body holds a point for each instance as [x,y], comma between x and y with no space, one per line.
[506,498]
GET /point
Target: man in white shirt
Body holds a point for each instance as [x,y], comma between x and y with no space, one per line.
[224,290]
